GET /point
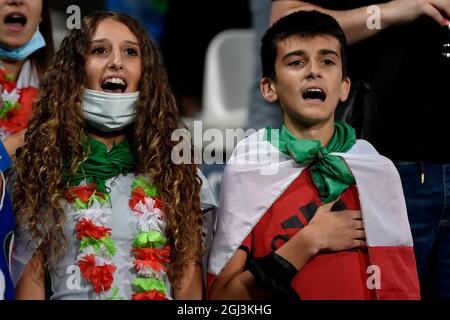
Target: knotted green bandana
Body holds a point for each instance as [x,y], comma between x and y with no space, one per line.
[330,174]
[102,164]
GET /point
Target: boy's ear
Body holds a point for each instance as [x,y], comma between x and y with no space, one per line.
[268,90]
[345,89]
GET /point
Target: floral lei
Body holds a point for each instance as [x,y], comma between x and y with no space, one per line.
[10,93]
[97,248]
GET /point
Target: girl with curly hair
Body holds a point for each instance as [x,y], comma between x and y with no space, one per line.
[98,199]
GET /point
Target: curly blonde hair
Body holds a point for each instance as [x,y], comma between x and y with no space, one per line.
[54,145]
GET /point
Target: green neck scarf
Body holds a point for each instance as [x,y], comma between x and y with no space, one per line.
[102,164]
[330,174]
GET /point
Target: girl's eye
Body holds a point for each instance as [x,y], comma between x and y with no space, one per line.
[131,52]
[99,50]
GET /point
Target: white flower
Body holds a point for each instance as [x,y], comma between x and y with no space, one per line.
[12,96]
[149,218]
[148,272]
[98,214]
[148,206]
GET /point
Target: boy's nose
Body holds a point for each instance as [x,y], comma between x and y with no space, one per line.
[314,70]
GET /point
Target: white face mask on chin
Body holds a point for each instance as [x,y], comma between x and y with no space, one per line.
[109,112]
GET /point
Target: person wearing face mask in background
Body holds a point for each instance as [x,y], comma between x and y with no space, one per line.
[26,47]
[96,187]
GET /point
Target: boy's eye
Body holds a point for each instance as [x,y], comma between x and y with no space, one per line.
[328,62]
[295,63]
[131,52]
[98,50]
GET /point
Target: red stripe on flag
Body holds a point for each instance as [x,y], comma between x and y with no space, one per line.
[335,276]
[399,279]
[210,278]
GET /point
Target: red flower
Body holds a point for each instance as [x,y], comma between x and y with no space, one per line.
[86,228]
[150,257]
[149,295]
[151,253]
[17,119]
[101,277]
[137,195]
[84,193]
[87,265]
[158,203]
[8,85]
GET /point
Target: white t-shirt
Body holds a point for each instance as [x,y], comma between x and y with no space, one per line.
[66,279]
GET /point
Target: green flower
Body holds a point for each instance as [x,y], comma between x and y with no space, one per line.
[97,244]
[148,284]
[150,239]
[149,189]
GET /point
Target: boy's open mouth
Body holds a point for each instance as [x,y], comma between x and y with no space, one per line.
[314,94]
[114,85]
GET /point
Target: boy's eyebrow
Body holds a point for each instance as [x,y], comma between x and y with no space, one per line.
[329,51]
[302,53]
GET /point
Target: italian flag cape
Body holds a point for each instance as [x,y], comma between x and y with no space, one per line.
[257,174]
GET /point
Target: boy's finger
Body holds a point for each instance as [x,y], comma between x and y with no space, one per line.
[359,244]
[355,214]
[329,205]
[358,225]
[359,234]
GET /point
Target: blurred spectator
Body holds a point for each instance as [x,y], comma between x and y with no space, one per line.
[26,48]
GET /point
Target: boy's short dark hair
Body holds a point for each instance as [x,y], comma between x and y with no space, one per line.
[305,24]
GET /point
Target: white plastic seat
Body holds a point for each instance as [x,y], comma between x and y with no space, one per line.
[229,74]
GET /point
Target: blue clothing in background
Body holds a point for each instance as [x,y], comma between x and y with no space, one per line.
[5,160]
[428,205]
[150,13]
[7,225]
